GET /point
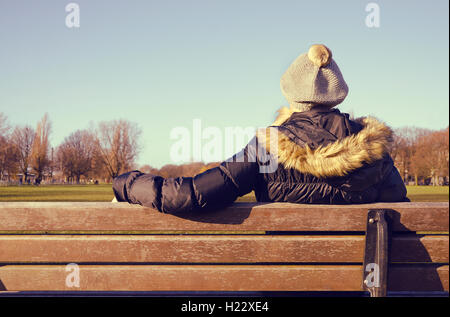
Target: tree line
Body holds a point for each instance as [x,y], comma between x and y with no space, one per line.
[110,148]
[422,155]
[102,152]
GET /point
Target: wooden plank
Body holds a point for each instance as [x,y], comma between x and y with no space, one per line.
[214,278]
[190,249]
[56,216]
[184,278]
[212,249]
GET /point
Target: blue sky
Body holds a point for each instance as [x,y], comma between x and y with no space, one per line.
[162,64]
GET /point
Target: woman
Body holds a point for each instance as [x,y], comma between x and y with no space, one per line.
[312,153]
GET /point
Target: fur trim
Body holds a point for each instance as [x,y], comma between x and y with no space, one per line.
[335,159]
[283,114]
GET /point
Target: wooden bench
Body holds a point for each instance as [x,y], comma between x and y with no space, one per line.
[248,247]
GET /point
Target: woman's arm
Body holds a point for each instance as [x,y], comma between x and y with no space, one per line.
[214,188]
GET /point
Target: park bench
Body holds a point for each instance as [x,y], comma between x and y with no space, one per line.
[248,248]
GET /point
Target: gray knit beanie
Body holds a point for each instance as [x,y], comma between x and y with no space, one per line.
[314,78]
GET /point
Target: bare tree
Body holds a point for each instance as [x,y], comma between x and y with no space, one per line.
[76,154]
[40,149]
[402,150]
[192,169]
[4,126]
[117,145]
[8,158]
[22,138]
[430,159]
[171,170]
[149,170]
[407,152]
[444,159]
[8,154]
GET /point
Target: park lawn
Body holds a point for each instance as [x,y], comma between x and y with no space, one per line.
[104,193]
[57,193]
[428,193]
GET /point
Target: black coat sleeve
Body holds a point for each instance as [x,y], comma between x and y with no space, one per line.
[214,188]
[393,188]
[379,181]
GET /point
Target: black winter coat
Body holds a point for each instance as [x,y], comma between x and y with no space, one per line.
[316,157]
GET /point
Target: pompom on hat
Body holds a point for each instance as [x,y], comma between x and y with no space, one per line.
[314,78]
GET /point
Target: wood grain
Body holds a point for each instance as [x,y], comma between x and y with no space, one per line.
[211,249]
[190,249]
[216,278]
[47,217]
[239,262]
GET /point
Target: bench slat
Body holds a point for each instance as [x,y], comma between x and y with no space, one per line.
[211,249]
[45,216]
[216,278]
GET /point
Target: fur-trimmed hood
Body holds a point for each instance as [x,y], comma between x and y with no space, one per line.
[336,158]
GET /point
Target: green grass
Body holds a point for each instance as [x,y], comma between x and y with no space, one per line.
[105,193]
[57,193]
[428,193]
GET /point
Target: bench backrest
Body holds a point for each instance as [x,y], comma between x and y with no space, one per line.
[246,247]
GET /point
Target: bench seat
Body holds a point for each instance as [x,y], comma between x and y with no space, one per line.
[247,247]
